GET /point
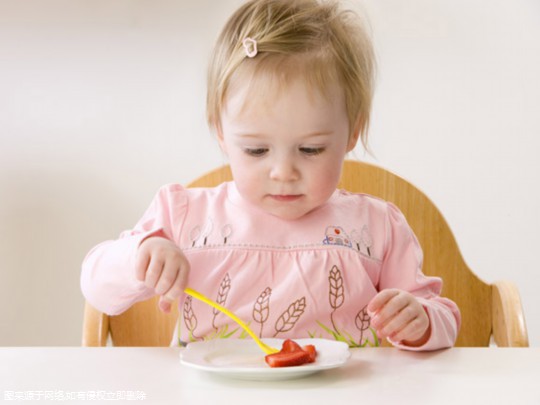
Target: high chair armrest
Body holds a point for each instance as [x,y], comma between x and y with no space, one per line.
[95,327]
[509,329]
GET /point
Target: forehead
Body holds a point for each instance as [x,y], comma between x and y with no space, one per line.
[290,112]
[264,81]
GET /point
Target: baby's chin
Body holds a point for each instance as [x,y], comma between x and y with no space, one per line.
[288,214]
[288,211]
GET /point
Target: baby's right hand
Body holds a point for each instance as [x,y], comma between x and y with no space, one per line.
[161,265]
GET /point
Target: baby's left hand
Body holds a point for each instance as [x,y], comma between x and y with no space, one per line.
[398,316]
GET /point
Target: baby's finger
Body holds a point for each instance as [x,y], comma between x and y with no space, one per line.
[153,272]
[176,290]
[179,284]
[380,300]
[412,331]
[167,277]
[165,304]
[398,321]
[141,264]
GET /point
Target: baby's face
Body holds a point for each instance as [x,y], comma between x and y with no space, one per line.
[285,148]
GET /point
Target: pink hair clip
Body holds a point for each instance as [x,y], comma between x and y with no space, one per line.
[250,46]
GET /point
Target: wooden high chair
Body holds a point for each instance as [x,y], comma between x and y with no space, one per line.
[488,310]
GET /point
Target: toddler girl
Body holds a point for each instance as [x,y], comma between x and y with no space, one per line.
[289,94]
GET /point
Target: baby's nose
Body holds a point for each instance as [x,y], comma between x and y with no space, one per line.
[284,170]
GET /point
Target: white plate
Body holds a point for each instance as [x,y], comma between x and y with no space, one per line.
[242,358]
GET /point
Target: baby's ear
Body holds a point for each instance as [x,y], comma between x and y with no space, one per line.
[221,140]
[353,140]
[354,136]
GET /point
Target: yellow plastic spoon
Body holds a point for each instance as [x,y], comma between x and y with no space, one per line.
[267,349]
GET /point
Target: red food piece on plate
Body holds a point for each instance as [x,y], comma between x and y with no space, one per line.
[310,349]
[289,346]
[292,354]
[287,359]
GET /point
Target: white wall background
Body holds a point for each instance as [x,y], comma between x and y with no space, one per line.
[101,102]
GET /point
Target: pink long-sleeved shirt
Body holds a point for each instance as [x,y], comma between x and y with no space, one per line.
[311,277]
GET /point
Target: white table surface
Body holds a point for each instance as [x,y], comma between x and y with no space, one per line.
[372,376]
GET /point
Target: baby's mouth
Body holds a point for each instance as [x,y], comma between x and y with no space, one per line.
[285,197]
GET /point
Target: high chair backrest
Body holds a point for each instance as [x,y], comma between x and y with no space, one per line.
[488,310]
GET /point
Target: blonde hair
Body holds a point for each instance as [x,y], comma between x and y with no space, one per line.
[317,39]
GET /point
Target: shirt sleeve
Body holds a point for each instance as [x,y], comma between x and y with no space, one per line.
[108,271]
[402,268]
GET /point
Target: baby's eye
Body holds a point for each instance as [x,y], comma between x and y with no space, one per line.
[311,151]
[255,151]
